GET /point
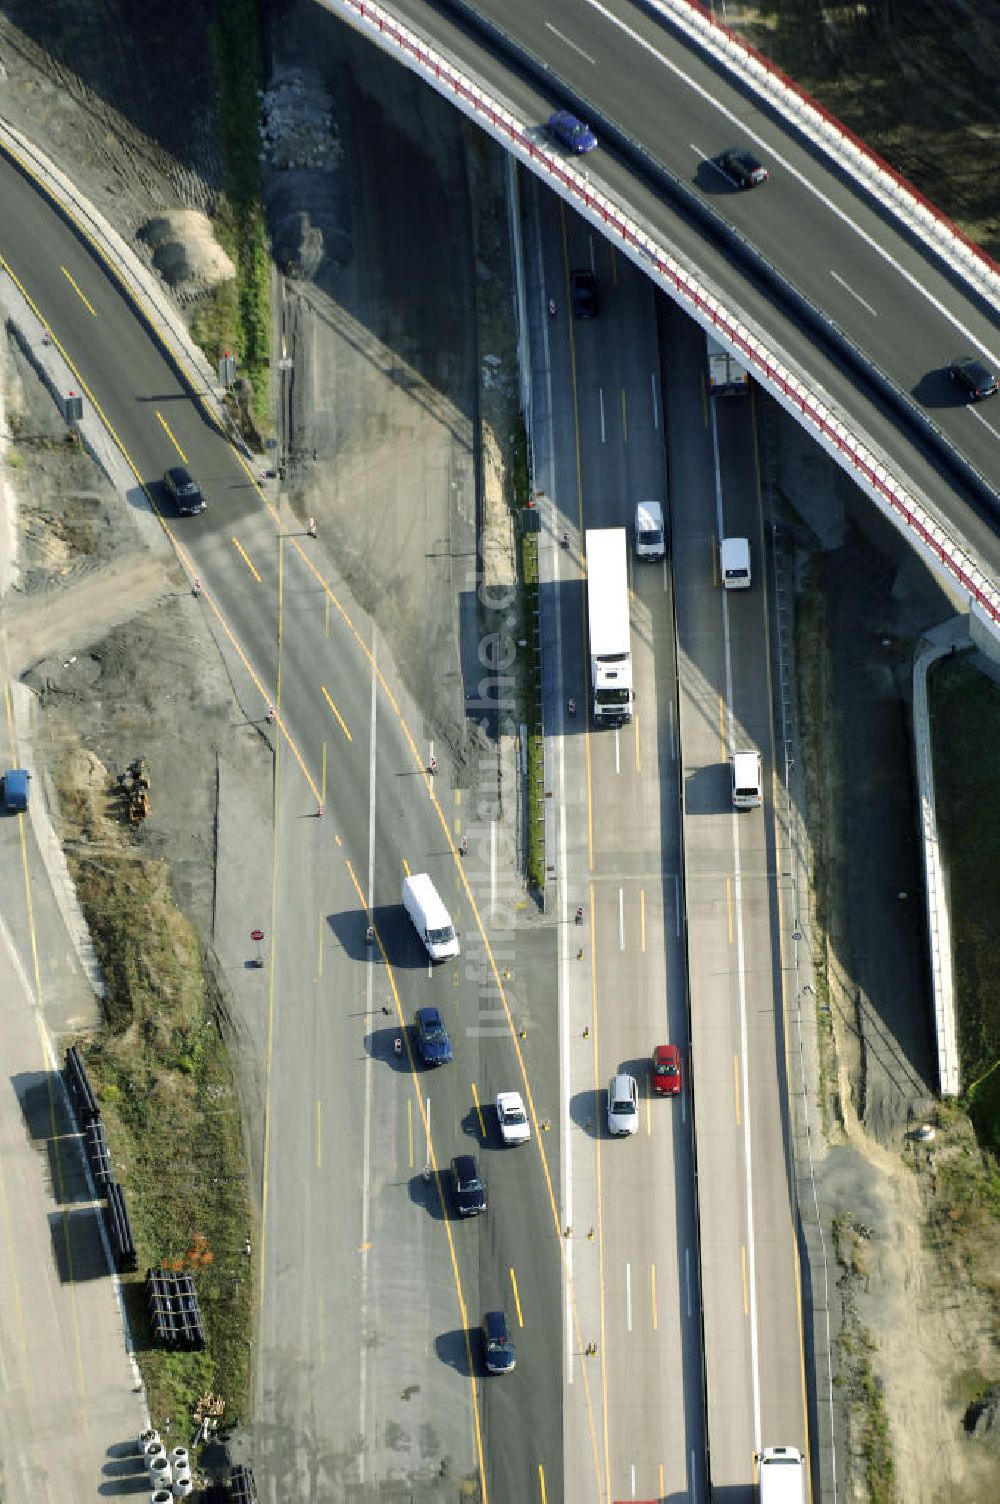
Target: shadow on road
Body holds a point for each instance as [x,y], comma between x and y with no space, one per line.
[453,1349]
[399,945]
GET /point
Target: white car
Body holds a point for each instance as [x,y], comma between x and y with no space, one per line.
[512,1118]
[623,1105]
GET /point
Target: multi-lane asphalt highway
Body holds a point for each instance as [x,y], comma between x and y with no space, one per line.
[372,1290]
[840,252]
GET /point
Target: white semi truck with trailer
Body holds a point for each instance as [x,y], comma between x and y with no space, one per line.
[608,628]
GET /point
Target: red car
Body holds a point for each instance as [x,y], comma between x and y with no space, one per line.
[666,1070]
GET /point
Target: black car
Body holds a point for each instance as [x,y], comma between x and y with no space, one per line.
[498,1349]
[432,1038]
[583,293]
[741,168]
[185,492]
[977,379]
[468,1186]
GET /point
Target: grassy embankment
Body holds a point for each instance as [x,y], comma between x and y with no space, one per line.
[237,315]
[161,1072]
[531,667]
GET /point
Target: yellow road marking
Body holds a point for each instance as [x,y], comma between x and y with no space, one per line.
[62,1195]
[479,1112]
[663,1491]
[340,718]
[541,1483]
[80,294]
[406,867]
[171,435]
[432,1162]
[246,559]
[199,397]
[517,1298]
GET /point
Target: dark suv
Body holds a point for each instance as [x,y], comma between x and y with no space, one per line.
[432,1038]
[498,1349]
[741,168]
[977,379]
[184,491]
[467,1185]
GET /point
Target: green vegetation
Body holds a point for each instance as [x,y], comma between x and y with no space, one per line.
[530,663]
[917,81]
[160,1070]
[241,318]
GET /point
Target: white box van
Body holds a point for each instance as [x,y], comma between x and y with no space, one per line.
[748,786]
[734,563]
[649,542]
[431,919]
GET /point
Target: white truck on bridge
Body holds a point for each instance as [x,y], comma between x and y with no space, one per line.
[608,625]
[726,377]
[781,1476]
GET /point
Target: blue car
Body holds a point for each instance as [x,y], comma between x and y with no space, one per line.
[432,1038]
[572,133]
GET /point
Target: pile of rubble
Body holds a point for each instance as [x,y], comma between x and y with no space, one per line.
[296,125]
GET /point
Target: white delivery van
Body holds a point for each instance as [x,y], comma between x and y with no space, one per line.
[781,1476]
[431,919]
[649,542]
[734,563]
[748,786]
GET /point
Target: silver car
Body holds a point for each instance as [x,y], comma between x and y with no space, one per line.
[623,1105]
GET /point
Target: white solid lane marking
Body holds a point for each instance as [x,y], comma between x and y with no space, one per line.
[670,709]
[628,1296]
[621,919]
[989,426]
[677,906]
[568,42]
[741,977]
[656,405]
[369,1061]
[856,295]
[687,1278]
